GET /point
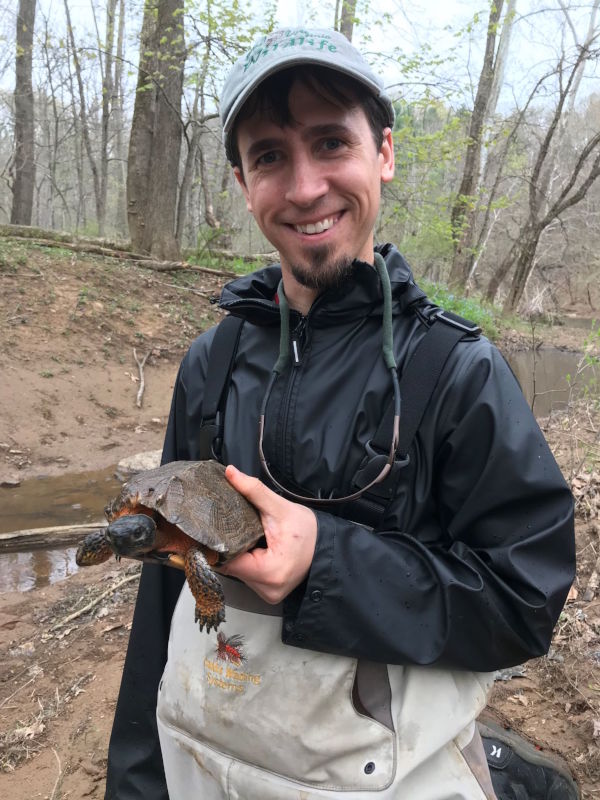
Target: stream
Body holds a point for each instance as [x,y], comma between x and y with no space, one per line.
[79,498]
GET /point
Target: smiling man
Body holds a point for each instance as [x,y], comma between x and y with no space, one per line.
[312,177]
[418,533]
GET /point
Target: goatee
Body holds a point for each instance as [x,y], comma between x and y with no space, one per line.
[322,272]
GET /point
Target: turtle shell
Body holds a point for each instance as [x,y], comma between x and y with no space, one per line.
[197,498]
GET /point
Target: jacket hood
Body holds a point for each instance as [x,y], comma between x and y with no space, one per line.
[253,296]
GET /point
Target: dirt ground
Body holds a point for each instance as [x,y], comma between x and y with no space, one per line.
[68,326]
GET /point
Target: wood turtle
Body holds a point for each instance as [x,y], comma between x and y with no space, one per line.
[184,514]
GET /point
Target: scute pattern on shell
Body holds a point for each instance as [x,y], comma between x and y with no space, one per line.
[195,496]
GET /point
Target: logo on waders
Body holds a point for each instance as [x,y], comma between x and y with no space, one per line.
[224,671]
[230,649]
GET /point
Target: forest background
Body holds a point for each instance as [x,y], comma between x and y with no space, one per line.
[109,127]
[126,224]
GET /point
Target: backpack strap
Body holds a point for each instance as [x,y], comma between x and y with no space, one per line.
[417,385]
[220,364]
[421,374]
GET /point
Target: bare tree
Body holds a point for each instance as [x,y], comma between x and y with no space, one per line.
[552,192]
[345,13]
[155,142]
[24,157]
[462,217]
[120,221]
[106,55]
[83,117]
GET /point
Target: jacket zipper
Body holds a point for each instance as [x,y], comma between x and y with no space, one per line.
[298,343]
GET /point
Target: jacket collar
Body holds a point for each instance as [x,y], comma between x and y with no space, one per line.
[253,296]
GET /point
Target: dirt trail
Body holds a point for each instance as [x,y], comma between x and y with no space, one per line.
[68,326]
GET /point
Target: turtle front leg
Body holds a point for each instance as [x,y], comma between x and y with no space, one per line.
[207,590]
[93,550]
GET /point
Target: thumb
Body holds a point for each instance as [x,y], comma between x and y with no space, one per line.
[254,490]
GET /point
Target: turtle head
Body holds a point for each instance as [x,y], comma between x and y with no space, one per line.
[131,535]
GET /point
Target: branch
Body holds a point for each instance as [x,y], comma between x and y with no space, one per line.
[95,602]
[563,202]
[140,394]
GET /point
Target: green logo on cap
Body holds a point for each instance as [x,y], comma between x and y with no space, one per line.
[285,39]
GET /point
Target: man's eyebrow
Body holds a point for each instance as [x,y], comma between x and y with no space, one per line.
[326,129]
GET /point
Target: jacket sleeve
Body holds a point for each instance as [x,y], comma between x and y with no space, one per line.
[135,769]
[481,583]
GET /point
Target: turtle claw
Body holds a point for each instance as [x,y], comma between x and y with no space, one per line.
[211,621]
[207,591]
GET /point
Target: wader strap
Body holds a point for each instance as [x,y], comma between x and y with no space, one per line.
[220,364]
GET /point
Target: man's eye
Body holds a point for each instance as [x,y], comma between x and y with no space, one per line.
[332,144]
[267,158]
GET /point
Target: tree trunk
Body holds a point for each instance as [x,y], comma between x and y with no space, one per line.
[347,18]
[156,130]
[107,96]
[520,256]
[53,141]
[140,138]
[120,221]
[523,268]
[24,161]
[85,131]
[462,218]
[81,215]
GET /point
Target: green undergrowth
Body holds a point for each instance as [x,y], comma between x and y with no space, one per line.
[483,314]
[204,258]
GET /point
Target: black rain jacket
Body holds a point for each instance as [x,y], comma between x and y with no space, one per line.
[474,557]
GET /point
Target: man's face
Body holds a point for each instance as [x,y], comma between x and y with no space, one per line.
[314,186]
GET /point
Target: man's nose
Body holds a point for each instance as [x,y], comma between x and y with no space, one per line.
[307,182]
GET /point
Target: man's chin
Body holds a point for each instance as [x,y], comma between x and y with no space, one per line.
[322,270]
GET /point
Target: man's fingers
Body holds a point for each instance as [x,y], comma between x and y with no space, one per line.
[253,490]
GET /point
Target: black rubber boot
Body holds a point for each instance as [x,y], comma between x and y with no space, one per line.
[521,772]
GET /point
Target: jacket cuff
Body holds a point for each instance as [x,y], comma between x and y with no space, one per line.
[304,607]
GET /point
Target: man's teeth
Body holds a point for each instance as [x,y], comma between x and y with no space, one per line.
[316,227]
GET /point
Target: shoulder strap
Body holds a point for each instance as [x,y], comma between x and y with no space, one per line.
[420,376]
[417,385]
[220,363]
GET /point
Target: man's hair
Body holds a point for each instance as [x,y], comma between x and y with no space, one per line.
[271,100]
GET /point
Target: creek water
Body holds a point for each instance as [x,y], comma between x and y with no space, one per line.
[548,376]
[74,499]
[43,503]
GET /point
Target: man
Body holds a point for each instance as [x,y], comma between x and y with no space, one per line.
[359,642]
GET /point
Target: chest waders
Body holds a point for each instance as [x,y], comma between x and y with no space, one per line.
[244,717]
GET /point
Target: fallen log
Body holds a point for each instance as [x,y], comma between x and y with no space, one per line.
[231,255]
[55,536]
[173,266]
[31,232]
[79,247]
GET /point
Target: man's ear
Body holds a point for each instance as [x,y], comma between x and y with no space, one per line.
[239,176]
[386,155]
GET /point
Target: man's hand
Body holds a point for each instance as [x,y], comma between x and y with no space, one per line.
[291,533]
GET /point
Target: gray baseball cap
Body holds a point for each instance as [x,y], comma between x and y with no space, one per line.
[290,47]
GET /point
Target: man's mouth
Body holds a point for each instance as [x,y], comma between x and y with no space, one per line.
[317,227]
